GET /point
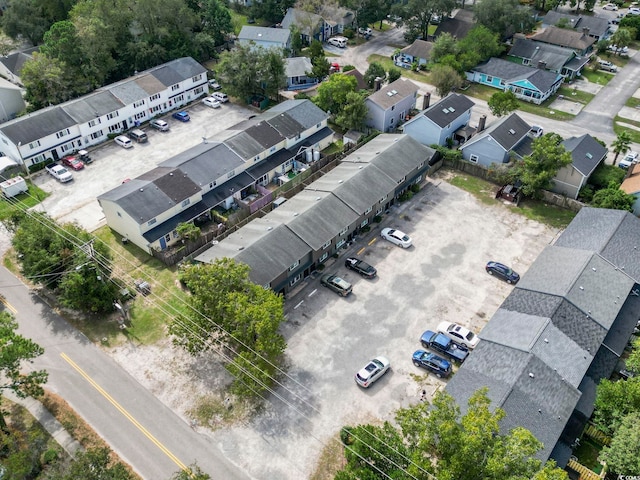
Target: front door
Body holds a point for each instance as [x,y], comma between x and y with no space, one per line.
[163,244]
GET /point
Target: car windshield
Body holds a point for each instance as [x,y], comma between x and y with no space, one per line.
[470,336]
[341,283]
[375,363]
[405,238]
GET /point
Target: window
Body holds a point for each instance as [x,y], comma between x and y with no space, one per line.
[179,98]
[326,245]
[154,97]
[368,210]
[392,120]
[112,115]
[196,78]
[324,257]
[138,104]
[114,128]
[257,159]
[295,280]
[63,133]
[364,223]
[96,135]
[167,237]
[272,149]
[35,144]
[526,61]
[66,147]
[340,243]
[151,222]
[186,202]
[139,116]
[155,109]
[379,211]
[175,87]
[198,91]
[420,166]
[344,231]
[393,107]
[383,199]
[231,174]
[318,125]
[95,122]
[266,286]
[294,266]
[489,78]
[473,158]
[401,180]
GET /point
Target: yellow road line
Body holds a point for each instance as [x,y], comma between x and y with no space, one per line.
[124,412]
[373,241]
[360,251]
[10,307]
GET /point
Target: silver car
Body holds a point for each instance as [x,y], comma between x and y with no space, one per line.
[372,371]
[337,284]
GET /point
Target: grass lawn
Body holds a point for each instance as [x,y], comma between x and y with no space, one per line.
[576,95]
[387,63]
[599,77]
[532,209]
[633,102]
[634,133]
[25,200]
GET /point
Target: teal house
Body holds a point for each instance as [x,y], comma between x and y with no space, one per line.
[530,84]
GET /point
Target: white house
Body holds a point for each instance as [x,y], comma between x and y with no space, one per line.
[52,132]
[389,106]
[11,101]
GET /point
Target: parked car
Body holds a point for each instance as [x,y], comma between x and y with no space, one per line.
[607,66]
[211,102]
[503,272]
[536,131]
[84,157]
[610,6]
[59,172]
[214,85]
[337,284]
[159,124]
[440,367]
[138,135]
[340,42]
[372,371]
[629,159]
[365,32]
[221,97]
[459,334]
[634,11]
[396,237]
[124,142]
[363,268]
[440,343]
[182,116]
[73,162]
[618,50]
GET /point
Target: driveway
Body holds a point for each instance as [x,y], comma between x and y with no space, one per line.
[76,201]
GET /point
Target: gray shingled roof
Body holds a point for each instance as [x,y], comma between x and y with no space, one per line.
[565,38]
[446,110]
[264,34]
[284,123]
[177,70]
[597,26]
[91,106]
[37,125]
[508,132]
[265,135]
[511,72]
[302,111]
[458,26]
[554,56]
[307,22]
[297,66]
[419,49]
[130,91]
[386,98]
[586,153]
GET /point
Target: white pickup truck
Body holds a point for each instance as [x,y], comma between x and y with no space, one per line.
[59,173]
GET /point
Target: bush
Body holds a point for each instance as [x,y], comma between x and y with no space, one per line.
[415,188]
[447,153]
[586,193]
[302,96]
[349,33]
[604,175]
[365,229]
[345,435]
[348,68]
[407,195]
[377,218]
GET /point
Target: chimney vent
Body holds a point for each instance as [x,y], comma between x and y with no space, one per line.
[482,122]
[426,100]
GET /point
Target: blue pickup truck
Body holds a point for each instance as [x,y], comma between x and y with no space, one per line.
[442,344]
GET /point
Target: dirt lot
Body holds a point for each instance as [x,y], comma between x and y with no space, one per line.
[440,278]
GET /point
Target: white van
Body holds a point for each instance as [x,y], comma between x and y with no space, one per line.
[340,42]
[123,141]
[221,97]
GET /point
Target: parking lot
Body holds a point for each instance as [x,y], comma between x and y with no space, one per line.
[441,277]
[76,201]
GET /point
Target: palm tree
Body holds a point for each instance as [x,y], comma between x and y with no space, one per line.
[621,144]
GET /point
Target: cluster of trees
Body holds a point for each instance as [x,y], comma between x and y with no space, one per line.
[49,255]
[436,440]
[89,43]
[617,413]
[232,315]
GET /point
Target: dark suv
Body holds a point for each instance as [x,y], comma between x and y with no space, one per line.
[440,367]
[363,268]
[439,342]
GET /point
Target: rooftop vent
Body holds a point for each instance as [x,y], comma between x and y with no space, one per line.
[269,229]
[445,110]
[512,131]
[395,92]
[451,109]
[531,375]
[240,248]
[589,155]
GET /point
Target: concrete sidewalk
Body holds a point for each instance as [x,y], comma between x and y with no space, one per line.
[48,422]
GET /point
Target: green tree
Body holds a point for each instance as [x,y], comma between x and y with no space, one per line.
[25,18]
[614,401]
[443,46]
[188,231]
[393,74]
[614,198]
[92,464]
[332,94]
[633,362]
[46,81]
[270,10]
[621,38]
[216,20]
[375,70]
[631,23]
[621,144]
[446,79]
[192,473]
[88,288]
[504,17]
[503,103]
[354,112]
[536,171]
[241,315]
[416,15]
[296,41]
[16,349]
[622,456]
[483,42]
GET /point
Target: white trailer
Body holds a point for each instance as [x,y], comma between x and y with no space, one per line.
[13,186]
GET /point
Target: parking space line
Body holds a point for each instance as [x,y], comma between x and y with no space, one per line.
[313,293]
[373,241]
[298,304]
[360,251]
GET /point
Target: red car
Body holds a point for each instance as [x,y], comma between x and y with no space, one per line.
[72,162]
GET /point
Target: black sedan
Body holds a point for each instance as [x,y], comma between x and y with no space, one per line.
[503,272]
[363,268]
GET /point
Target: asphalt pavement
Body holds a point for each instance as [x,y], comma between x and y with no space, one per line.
[139,428]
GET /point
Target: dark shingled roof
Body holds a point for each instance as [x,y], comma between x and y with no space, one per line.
[419,49]
[37,125]
[511,72]
[446,110]
[458,26]
[586,153]
[554,56]
[386,98]
[565,38]
[176,71]
[507,132]
[91,106]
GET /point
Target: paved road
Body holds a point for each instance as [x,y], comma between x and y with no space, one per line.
[143,431]
[598,115]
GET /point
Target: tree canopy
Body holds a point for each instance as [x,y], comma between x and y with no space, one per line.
[242,316]
[503,103]
[622,456]
[614,401]
[504,17]
[332,94]
[613,197]
[416,15]
[536,171]
[446,79]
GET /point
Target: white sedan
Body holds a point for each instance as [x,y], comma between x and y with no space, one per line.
[211,102]
[396,237]
[610,6]
[372,371]
[459,334]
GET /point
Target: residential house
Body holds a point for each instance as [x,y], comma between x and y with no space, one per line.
[533,85]
[418,53]
[631,185]
[265,37]
[586,154]
[362,84]
[11,65]
[230,168]
[297,70]
[495,144]
[389,106]
[52,132]
[285,246]
[337,19]
[579,42]
[549,57]
[11,101]
[596,27]
[440,121]
[311,25]
[562,329]
[458,26]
